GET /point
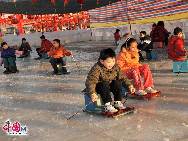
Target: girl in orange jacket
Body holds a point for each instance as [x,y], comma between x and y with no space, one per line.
[57,55]
[128,61]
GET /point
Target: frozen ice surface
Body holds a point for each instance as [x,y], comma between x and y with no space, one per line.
[43,102]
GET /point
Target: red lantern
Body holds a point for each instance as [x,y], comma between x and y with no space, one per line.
[14,21]
[30,17]
[66,2]
[10,17]
[53,1]
[34,1]
[80,1]
[19,17]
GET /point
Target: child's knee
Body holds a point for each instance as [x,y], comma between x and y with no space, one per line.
[103,85]
[116,83]
[146,67]
[52,60]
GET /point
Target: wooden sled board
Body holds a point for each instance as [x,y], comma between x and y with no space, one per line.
[149,96]
[118,114]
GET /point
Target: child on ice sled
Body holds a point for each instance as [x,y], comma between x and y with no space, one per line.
[105,77]
[8,55]
[57,56]
[128,61]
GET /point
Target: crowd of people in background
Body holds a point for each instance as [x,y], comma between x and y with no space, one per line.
[159,38]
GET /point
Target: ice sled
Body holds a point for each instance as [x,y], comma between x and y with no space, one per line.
[90,106]
[98,106]
[148,96]
[18,53]
[180,66]
[153,55]
[45,56]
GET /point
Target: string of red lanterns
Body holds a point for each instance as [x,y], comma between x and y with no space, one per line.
[65,1]
[47,22]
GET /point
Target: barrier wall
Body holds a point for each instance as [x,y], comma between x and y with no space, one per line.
[98,34]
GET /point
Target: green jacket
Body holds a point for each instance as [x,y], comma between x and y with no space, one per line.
[99,73]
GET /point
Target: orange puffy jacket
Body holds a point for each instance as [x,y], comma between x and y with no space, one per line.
[176,49]
[59,52]
[128,60]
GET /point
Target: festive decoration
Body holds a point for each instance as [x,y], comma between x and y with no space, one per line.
[80,2]
[53,1]
[34,1]
[66,2]
[48,22]
[97,2]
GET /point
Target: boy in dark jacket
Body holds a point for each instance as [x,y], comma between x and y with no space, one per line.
[25,47]
[9,59]
[105,77]
[145,45]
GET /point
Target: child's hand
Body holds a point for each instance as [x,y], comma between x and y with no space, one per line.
[94,97]
[132,89]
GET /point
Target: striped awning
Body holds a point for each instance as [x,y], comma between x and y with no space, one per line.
[137,9]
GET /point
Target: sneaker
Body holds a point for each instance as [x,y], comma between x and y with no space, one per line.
[109,108]
[15,71]
[64,70]
[56,73]
[141,92]
[119,105]
[6,72]
[38,58]
[150,90]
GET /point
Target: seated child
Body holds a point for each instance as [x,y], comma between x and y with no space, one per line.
[176,48]
[25,47]
[128,61]
[57,54]
[105,77]
[46,45]
[9,59]
[144,45]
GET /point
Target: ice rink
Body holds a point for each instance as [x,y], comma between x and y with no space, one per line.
[42,101]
